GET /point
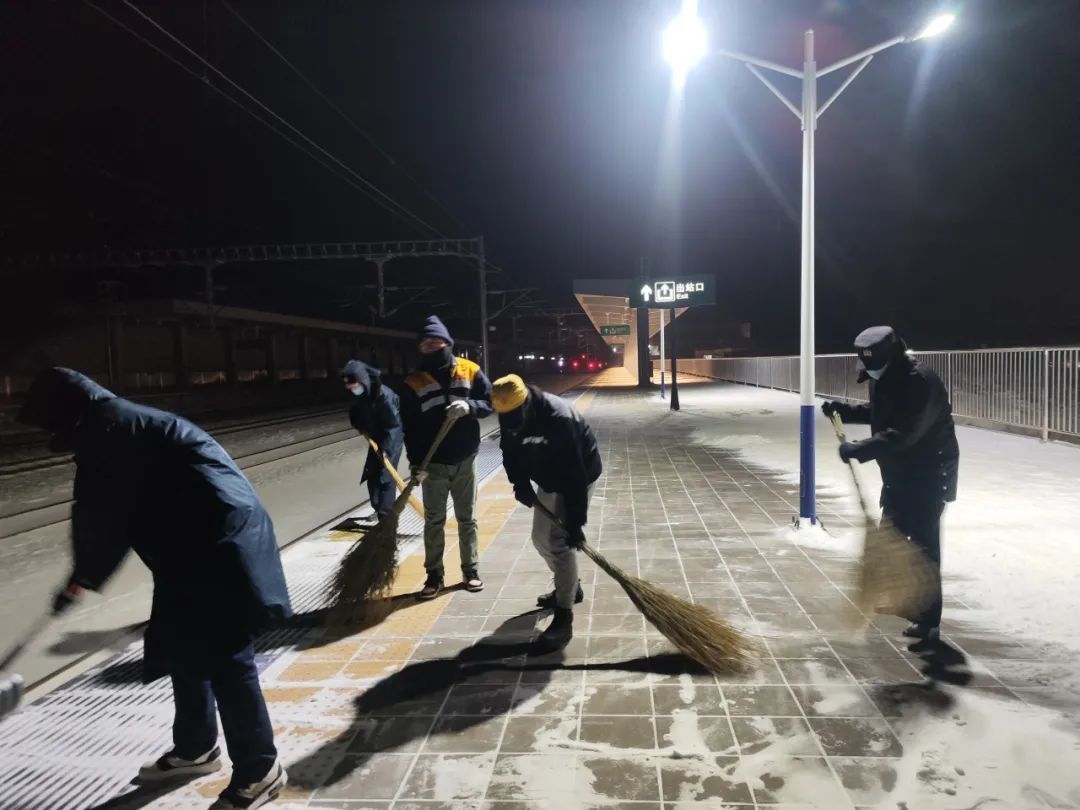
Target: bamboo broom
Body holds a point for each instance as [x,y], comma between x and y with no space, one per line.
[893,575]
[414,502]
[696,631]
[366,572]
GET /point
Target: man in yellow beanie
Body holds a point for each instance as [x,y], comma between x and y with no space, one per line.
[545,440]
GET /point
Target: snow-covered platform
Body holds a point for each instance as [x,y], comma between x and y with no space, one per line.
[441,706]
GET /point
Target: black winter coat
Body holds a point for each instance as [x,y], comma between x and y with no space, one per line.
[555,448]
[153,482]
[914,440]
[375,413]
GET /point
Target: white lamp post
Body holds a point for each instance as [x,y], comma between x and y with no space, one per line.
[684,45]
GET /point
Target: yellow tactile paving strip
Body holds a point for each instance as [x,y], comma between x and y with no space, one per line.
[341,668]
[333,672]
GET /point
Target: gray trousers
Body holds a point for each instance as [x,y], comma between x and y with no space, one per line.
[550,540]
[457,481]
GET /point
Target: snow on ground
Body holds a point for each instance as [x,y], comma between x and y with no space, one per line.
[1011,546]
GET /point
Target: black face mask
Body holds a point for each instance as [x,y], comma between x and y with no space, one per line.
[433,361]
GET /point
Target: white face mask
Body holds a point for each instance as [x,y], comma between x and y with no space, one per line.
[876,373]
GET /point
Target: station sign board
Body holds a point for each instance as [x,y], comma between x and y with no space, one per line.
[674,292]
[615,330]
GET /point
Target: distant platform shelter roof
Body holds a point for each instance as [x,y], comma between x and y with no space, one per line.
[606,301]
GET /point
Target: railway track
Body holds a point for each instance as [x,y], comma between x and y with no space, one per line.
[50,460]
[57,510]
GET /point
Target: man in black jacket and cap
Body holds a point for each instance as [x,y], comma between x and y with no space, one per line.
[446,387]
[152,482]
[544,439]
[913,440]
[374,414]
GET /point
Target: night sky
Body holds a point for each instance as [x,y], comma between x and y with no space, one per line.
[947,173]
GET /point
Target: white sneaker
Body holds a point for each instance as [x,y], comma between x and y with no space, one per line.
[251,796]
[170,766]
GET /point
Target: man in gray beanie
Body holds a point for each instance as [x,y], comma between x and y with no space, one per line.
[446,387]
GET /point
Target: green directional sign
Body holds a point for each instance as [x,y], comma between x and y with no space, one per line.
[615,330]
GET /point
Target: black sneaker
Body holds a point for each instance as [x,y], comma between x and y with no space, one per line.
[432,588]
[471,580]
[248,797]
[170,766]
[547,600]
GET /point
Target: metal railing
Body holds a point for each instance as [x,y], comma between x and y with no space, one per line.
[1026,390]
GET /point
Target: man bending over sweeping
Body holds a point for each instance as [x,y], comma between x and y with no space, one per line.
[152,482]
[914,443]
[544,439]
[374,413]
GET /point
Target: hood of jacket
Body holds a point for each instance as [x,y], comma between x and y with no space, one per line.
[368,376]
[59,398]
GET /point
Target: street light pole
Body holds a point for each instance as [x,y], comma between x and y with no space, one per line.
[807,506]
[684,43]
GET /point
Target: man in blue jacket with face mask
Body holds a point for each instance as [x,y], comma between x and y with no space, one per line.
[374,413]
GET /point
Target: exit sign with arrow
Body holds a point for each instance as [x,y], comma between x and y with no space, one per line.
[673,293]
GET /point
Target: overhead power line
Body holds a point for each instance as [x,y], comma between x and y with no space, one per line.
[358,181]
[313,150]
[341,113]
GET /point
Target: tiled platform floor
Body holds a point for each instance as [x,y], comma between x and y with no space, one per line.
[441,706]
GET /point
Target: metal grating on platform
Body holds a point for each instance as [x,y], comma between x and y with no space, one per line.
[80,745]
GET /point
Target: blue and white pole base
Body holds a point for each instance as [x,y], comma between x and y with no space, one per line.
[807,505]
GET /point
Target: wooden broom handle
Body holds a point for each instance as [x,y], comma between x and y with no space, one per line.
[585,547]
[838,426]
[419,507]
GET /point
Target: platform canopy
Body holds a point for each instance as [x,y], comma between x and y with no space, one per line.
[606,302]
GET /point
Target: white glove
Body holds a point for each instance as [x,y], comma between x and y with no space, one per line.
[11,691]
[457,409]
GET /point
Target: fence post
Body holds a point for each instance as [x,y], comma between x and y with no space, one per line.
[948,374]
[1046,395]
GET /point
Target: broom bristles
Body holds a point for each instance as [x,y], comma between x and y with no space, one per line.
[696,631]
[365,575]
[366,572]
[894,576]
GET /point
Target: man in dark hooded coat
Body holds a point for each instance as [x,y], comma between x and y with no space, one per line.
[913,440]
[374,413]
[152,482]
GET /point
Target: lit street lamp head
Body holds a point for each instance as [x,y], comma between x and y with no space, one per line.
[684,42]
[937,25]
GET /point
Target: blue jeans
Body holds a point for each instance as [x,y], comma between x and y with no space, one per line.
[222,674]
[382,492]
[381,487]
